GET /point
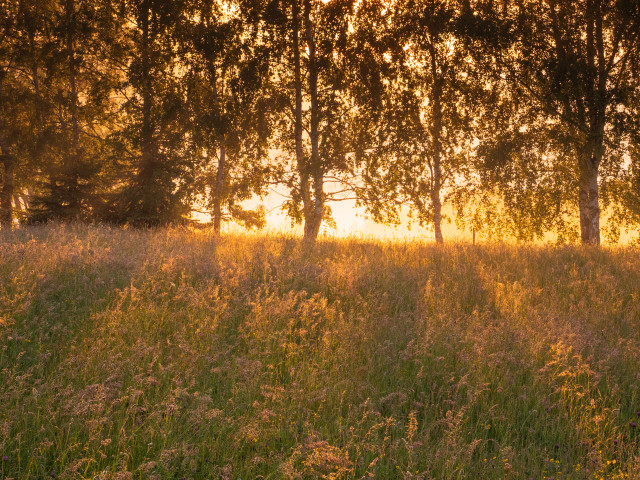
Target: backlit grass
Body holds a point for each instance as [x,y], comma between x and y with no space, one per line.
[170,354]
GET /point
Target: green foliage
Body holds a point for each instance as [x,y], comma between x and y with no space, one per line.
[310,94]
[230,120]
[425,122]
[169,354]
[160,187]
[59,52]
[138,111]
[560,76]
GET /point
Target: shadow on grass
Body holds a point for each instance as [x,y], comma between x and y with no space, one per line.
[53,296]
[236,357]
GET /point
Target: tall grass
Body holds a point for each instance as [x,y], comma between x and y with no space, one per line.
[169,354]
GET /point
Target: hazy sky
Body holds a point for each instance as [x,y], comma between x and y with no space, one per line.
[350,220]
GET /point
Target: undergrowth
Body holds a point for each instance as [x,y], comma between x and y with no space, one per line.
[172,354]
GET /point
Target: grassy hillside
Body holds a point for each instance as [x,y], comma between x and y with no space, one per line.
[168,354]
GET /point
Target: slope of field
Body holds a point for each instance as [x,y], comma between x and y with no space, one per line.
[169,354]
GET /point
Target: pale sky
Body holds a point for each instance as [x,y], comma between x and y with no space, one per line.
[350,221]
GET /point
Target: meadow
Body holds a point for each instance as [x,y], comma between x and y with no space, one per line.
[170,354]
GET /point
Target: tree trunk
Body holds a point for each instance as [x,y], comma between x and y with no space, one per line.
[37,100]
[218,188]
[315,209]
[6,212]
[73,159]
[301,163]
[217,193]
[591,155]
[149,206]
[588,202]
[147,126]
[313,222]
[17,203]
[6,194]
[436,138]
[36,81]
[436,185]
[26,200]
[437,217]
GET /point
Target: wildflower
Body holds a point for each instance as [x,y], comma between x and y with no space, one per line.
[632,424]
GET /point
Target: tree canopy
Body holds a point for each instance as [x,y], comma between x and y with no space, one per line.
[523,115]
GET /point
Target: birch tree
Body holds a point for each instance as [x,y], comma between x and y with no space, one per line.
[230,117]
[572,61]
[424,131]
[307,40]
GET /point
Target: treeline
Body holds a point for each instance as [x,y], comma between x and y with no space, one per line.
[523,115]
